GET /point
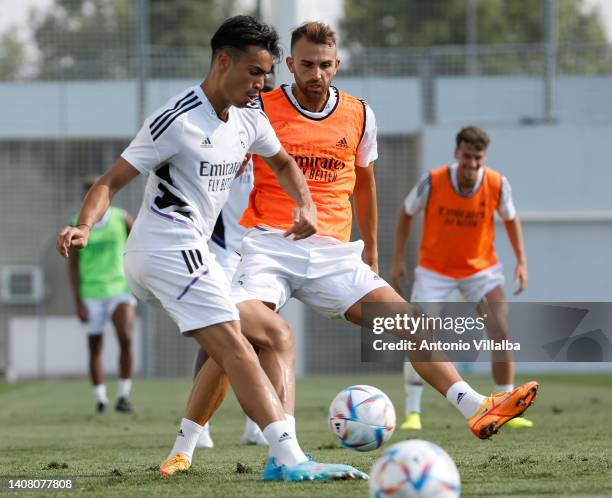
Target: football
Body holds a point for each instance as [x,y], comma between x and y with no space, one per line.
[414,469]
[362,417]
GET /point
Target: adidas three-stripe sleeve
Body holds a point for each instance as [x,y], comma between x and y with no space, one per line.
[145,153]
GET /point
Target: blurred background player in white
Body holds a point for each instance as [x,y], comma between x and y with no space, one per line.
[224,242]
[191,149]
[101,293]
[457,251]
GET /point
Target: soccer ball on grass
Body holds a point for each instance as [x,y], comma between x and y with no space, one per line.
[362,417]
[414,469]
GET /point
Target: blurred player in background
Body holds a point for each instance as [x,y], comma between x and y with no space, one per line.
[457,251]
[332,136]
[101,293]
[224,242]
[191,149]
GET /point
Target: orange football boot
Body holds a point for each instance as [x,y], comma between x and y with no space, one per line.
[497,409]
[174,465]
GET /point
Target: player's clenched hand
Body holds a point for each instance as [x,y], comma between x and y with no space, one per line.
[71,237]
[304,222]
[520,277]
[371,260]
[399,273]
[244,164]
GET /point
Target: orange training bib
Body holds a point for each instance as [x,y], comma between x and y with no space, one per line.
[325,151]
[459,231]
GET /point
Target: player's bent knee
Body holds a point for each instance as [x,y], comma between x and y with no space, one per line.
[498,326]
[282,338]
[243,354]
[230,345]
[95,344]
[274,336]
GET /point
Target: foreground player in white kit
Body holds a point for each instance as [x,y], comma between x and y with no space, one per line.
[332,136]
[191,150]
[224,242]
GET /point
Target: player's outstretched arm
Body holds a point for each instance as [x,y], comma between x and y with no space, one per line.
[366,212]
[292,181]
[94,205]
[399,272]
[515,235]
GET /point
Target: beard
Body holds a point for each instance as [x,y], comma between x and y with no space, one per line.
[311,92]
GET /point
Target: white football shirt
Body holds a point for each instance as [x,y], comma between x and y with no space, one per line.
[191,157]
[418,196]
[228,233]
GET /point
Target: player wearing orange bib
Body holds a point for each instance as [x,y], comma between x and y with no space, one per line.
[457,251]
[332,137]
[325,148]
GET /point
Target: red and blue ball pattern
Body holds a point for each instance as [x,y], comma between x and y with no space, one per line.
[362,417]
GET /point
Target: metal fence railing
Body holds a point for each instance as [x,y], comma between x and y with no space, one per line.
[92,42]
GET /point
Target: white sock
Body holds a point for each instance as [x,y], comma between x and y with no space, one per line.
[291,420]
[283,446]
[413,398]
[250,427]
[186,439]
[464,398]
[206,427]
[413,387]
[123,388]
[504,388]
[100,393]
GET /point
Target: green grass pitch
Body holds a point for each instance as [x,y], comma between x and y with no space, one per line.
[49,430]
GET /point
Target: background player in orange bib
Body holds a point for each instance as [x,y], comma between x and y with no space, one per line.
[332,137]
[457,251]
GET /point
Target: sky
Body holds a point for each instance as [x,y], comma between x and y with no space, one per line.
[606,9]
[15,12]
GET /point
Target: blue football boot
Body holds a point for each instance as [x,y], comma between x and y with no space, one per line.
[309,471]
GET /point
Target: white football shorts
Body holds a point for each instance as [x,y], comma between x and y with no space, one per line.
[430,286]
[323,273]
[227,259]
[101,309]
[189,284]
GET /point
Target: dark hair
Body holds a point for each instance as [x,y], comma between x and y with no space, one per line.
[474,136]
[241,32]
[315,32]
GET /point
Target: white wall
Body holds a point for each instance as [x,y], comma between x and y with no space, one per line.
[108,109]
[57,346]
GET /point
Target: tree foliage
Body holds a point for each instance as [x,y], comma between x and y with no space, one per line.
[512,30]
[80,38]
[87,39]
[12,56]
[424,23]
[97,38]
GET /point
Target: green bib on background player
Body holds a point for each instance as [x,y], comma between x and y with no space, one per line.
[101,262]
